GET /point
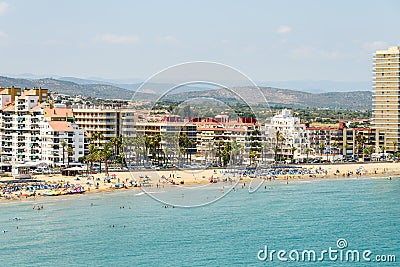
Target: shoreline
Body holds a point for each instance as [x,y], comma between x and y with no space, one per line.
[164,178]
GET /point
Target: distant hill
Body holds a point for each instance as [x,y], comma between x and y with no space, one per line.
[274,96]
[105,91]
[319,86]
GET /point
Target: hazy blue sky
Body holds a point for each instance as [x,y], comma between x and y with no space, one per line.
[267,40]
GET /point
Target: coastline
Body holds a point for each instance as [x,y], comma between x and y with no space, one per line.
[174,178]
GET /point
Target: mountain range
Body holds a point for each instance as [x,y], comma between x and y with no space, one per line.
[353,100]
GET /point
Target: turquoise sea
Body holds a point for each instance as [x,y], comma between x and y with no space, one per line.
[128,228]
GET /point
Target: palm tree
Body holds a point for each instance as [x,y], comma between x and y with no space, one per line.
[190,144]
[264,147]
[210,148]
[335,145]
[63,144]
[126,149]
[106,153]
[321,148]
[147,145]
[383,149]
[369,150]
[360,141]
[92,157]
[167,146]
[395,144]
[252,156]
[226,153]
[220,147]
[156,143]
[234,151]
[116,143]
[184,144]
[69,152]
[293,149]
[97,136]
[278,138]
[138,144]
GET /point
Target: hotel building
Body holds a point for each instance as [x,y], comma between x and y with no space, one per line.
[33,132]
[293,133]
[110,121]
[386,97]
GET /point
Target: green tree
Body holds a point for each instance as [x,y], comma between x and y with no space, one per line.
[105,154]
[279,139]
[321,148]
[395,146]
[335,145]
[97,136]
[360,140]
[293,149]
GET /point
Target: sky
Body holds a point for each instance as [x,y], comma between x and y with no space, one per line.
[266,40]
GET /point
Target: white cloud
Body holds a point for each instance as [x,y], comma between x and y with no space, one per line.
[283,29]
[3,8]
[118,39]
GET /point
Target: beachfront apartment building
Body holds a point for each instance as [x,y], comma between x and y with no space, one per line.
[59,133]
[386,97]
[169,129]
[286,134]
[341,140]
[207,136]
[326,139]
[20,133]
[240,133]
[108,120]
[23,123]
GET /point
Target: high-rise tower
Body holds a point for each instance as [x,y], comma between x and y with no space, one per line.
[386,97]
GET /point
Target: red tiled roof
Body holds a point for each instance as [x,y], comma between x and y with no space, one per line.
[58,112]
[61,126]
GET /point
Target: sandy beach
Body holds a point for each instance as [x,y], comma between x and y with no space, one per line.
[161,178]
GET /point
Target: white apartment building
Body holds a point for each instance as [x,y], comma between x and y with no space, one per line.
[110,121]
[31,132]
[20,133]
[294,139]
[57,129]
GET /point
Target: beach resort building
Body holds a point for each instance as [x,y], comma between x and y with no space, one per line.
[62,140]
[108,120]
[341,140]
[32,132]
[386,97]
[169,129]
[243,135]
[287,135]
